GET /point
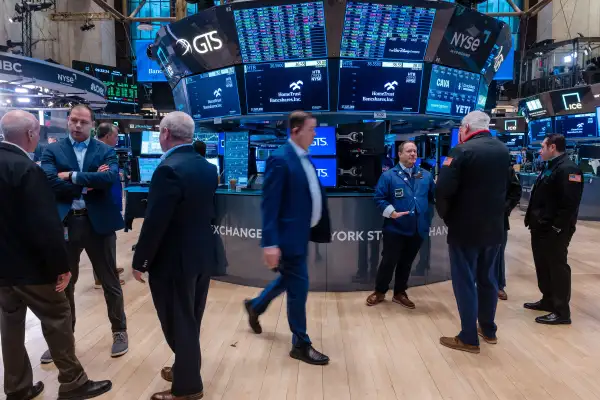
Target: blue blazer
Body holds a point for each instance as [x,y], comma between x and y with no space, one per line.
[287,206]
[104,215]
[404,193]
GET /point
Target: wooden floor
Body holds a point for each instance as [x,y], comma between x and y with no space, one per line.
[383,352]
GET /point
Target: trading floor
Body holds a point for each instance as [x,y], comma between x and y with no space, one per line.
[383,352]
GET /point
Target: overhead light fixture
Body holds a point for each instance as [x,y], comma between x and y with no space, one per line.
[145,26]
[23,100]
[16,19]
[21,90]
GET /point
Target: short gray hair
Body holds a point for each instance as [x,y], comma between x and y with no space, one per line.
[179,124]
[477,121]
[16,123]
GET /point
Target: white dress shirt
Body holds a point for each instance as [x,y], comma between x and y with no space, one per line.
[313,184]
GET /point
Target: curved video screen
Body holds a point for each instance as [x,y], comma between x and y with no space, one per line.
[213,94]
[287,86]
[393,86]
[452,92]
[538,129]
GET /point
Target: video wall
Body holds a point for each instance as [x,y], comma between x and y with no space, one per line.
[354,56]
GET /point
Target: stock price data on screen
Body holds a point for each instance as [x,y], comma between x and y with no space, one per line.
[452,91]
[285,87]
[213,94]
[281,33]
[576,126]
[386,31]
[393,86]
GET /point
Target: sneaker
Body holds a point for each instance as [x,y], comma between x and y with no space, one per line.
[46,358]
[120,344]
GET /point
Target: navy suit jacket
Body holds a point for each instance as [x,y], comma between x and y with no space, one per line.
[104,215]
[177,237]
[287,206]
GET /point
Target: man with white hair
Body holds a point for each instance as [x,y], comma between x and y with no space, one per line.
[34,271]
[177,249]
[471,193]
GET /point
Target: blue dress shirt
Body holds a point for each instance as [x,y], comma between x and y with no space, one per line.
[80,149]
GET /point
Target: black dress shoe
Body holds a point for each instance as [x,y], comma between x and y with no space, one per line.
[27,394]
[252,317]
[89,390]
[309,355]
[538,306]
[553,319]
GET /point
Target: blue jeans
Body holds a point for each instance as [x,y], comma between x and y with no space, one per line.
[476,289]
[293,279]
[501,264]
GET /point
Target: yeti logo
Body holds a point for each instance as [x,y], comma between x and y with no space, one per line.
[391,86]
[296,85]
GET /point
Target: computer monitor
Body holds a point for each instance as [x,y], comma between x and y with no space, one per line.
[151,143]
[147,166]
[261,165]
[214,161]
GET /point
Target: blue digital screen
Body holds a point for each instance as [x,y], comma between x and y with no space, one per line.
[151,143]
[326,170]
[386,31]
[452,91]
[393,86]
[538,129]
[147,70]
[507,68]
[513,139]
[598,119]
[261,165]
[324,141]
[285,87]
[454,137]
[281,32]
[180,97]
[577,125]
[147,168]
[221,143]
[213,94]
[482,95]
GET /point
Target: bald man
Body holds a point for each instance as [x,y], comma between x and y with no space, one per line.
[34,271]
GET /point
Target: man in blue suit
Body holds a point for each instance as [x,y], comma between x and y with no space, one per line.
[404,196]
[177,249]
[88,212]
[294,212]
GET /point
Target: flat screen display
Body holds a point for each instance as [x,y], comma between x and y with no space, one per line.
[512,139]
[534,107]
[482,95]
[598,120]
[573,101]
[151,143]
[261,165]
[214,161]
[386,31]
[147,168]
[282,32]
[506,72]
[180,97]
[285,87]
[393,86]
[213,94]
[326,170]
[538,129]
[452,91]
[577,125]
[147,70]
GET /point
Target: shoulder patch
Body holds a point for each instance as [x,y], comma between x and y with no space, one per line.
[448,161]
[575,178]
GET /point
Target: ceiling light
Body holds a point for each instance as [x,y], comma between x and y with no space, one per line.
[8,101]
[144,26]
[23,100]
[21,90]
[29,86]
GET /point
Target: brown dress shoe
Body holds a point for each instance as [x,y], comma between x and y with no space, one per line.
[486,338]
[167,374]
[456,344]
[120,270]
[167,395]
[502,295]
[403,300]
[375,298]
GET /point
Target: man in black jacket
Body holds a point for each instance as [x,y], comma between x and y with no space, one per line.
[513,195]
[470,198]
[177,249]
[551,217]
[34,271]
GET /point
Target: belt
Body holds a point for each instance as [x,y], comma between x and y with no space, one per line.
[79,213]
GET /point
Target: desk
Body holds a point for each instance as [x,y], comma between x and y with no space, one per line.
[349,263]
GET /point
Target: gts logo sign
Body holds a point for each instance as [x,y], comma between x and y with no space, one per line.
[319,142]
[322,173]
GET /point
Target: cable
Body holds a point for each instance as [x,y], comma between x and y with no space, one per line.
[572,15]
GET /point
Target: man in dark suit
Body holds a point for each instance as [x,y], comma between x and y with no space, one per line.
[294,212]
[177,249]
[470,198]
[88,212]
[34,271]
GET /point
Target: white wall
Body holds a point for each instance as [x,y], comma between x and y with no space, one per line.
[64,41]
[581,16]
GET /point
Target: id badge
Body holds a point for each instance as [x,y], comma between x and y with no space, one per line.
[419,175]
[399,193]
[66,231]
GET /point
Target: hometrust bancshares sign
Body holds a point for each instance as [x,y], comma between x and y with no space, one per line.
[336,236]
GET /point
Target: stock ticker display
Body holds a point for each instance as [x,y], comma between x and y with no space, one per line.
[386,31]
[287,86]
[380,86]
[452,91]
[281,33]
[235,161]
[213,94]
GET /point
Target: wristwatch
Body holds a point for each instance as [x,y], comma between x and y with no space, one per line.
[71,176]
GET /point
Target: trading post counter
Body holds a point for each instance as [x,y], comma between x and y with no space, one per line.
[589,209]
[348,263]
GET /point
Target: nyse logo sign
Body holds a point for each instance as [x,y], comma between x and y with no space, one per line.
[319,142]
[10,66]
[202,44]
[68,79]
[469,40]
[572,101]
[322,173]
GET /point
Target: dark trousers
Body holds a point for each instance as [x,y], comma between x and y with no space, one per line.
[399,252]
[53,310]
[550,251]
[100,249]
[475,288]
[113,250]
[180,299]
[501,264]
[293,280]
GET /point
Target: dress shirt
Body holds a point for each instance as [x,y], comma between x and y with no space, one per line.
[30,155]
[313,184]
[168,152]
[80,149]
[387,213]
